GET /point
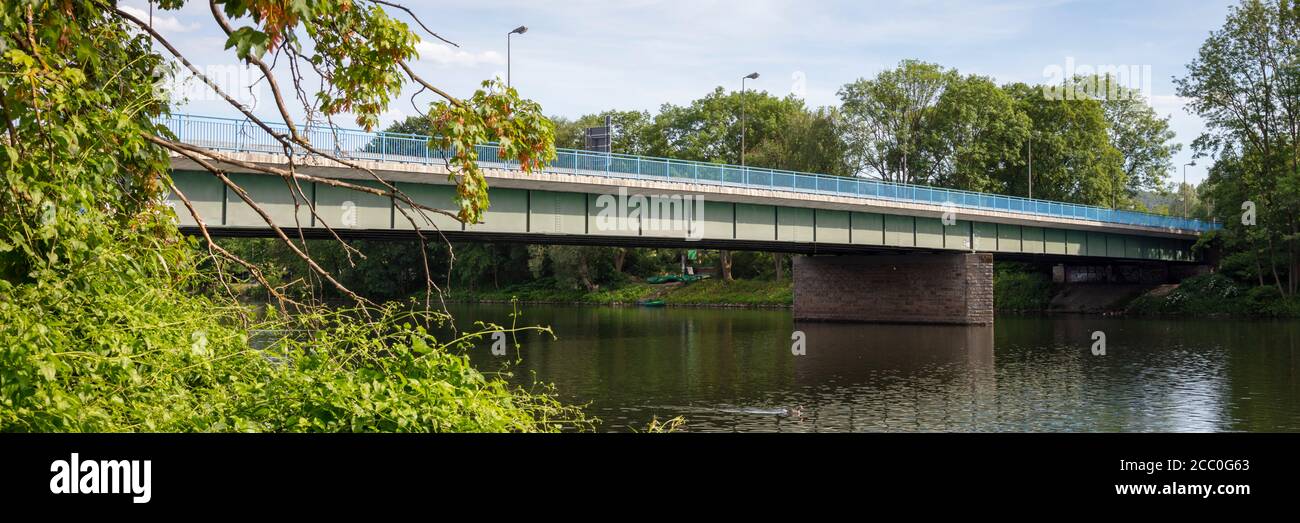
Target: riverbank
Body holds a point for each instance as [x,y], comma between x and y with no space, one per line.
[1016,290]
[705,293]
[1214,295]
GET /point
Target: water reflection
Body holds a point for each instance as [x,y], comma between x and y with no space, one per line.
[733,370]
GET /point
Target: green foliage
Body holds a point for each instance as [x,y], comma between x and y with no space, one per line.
[811,141]
[1217,294]
[580,267]
[1143,138]
[671,425]
[113,355]
[1017,288]
[633,131]
[746,293]
[1200,295]
[548,290]
[75,173]
[737,292]
[1244,85]
[924,124]
[1074,159]
[112,321]
[780,133]
[890,117]
[709,128]
[495,112]
[979,134]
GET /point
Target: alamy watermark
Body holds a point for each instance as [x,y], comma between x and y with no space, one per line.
[241,82]
[78,476]
[498,343]
[799,85]
[1098,343]
[948,217]
[1074,81]
[637,213]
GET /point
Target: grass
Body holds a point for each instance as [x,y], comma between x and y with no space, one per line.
[746,293]
[743,293]
[547,290]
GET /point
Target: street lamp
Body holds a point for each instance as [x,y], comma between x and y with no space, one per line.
[1031,165]
[518,31]
[750,76]
[1184,187]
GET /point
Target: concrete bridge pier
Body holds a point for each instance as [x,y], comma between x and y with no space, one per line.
[945,288]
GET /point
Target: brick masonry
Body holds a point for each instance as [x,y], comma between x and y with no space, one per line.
[908,288]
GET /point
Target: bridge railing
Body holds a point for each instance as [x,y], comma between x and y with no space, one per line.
[244,136]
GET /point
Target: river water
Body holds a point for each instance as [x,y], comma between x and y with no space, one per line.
[735,370]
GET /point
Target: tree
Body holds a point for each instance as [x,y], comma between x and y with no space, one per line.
[708,129]
[632,131]
[1245,85]
[810,141]
[1143,138]
[113,321]
[888,119]
[978,136]
[1073,159]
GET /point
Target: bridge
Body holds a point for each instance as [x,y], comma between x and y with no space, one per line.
[942,240]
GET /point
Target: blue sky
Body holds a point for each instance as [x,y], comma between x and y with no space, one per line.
[583,56]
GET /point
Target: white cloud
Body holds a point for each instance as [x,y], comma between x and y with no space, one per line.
[165,24]
[448,56]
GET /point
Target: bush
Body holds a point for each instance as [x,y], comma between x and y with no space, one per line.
[1217,294]
[1018,289]
[107,356]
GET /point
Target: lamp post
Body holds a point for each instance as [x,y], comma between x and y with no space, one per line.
[1184,187]
[750,76]
[1031,165]
[518,31]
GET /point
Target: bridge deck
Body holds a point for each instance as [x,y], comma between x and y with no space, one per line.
[239,136]
[562,205]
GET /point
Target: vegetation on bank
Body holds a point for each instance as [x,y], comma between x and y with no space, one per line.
[547,290]
[710,292]
[1019,288]
[1217,295]
[110,320]
[751,293]
[105,354]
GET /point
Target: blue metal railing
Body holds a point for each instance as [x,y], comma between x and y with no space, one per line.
[244,136]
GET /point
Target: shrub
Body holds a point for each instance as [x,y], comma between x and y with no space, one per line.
[1016,289]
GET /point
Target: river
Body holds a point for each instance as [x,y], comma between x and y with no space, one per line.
[735,370]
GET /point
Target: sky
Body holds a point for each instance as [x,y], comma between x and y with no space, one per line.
[580,57]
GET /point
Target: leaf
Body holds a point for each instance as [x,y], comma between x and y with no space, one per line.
[248,42]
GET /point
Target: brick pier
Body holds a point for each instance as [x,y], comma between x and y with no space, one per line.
[907,288]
